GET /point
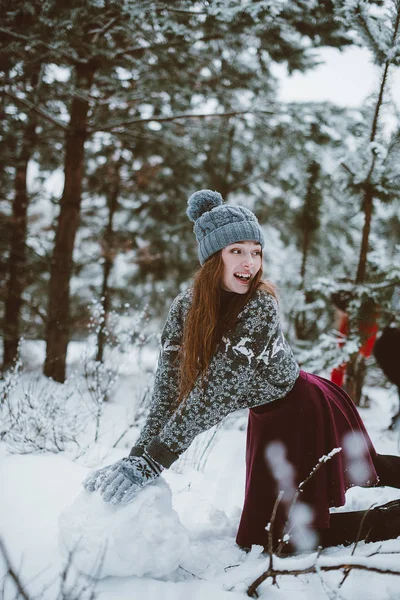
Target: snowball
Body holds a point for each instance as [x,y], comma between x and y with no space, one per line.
[142,538]
[201,518]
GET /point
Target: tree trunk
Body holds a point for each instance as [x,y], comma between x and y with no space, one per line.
[368,198]
[109,255]
[355,374]
[368,207]
[17,259]
[368,194]
[57,329]
[356,368]
[306,245]
[300,320]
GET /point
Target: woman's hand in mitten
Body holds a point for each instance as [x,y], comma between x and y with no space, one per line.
[134,472]
[95,479]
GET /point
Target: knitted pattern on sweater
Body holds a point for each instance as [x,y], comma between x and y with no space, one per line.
[253,365]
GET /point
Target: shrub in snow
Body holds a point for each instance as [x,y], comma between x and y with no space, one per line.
[9,382]
[112,337]
[70,588]
[196,456]
[142,538]
[39,415]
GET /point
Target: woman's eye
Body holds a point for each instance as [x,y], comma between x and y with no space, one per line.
[235,251]
[257,253]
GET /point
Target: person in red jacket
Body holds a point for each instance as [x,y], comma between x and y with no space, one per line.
[351,376]
[342,327]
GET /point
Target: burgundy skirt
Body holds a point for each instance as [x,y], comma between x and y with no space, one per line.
[285,440]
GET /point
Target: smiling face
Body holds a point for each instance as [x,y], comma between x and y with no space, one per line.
[242,261]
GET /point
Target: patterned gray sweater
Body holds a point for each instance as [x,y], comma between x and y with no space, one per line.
[253,365]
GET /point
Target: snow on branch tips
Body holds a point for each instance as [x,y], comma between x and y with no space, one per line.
[38,415]
[117,335]
[316,562]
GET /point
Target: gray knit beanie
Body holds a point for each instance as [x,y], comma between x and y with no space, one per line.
[217,225]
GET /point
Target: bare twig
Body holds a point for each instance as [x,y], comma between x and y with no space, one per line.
[324,459]
[273,573]
[192,574]
[347,572]
[271,530]
[140,411]
[12,573]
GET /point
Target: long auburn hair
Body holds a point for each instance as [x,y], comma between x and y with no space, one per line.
[204,327]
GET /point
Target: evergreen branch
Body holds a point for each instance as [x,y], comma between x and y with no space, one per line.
[347,168]
[239,183]
[138,50]
[37,110]
[396,24]
[44,259]
[181,11]
[393,144]
[382,286]
[74,59]
[365,28]
[175,118]
[17,36]
[101,31]
[379,102]
[131,135]
[264,176]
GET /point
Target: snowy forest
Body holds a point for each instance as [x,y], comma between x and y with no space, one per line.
[113,112]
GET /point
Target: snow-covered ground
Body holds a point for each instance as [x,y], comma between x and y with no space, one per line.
[38,488]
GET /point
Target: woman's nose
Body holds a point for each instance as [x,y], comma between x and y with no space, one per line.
[248,260]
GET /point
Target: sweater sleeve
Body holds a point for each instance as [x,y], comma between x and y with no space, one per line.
[166,379]
[252,366]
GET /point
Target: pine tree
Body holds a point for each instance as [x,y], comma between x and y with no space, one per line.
[373,178]
[180,57]
[308,222]
[26,74]
[382,37]
[308,219]
[16,281]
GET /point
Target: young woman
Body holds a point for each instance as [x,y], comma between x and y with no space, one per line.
[222,350]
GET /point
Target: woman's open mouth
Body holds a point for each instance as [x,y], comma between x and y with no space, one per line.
[243,277]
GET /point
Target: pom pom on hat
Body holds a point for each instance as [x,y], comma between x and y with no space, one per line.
[201,202]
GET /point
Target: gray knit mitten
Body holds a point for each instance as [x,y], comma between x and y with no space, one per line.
[95,479]
[122,484]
